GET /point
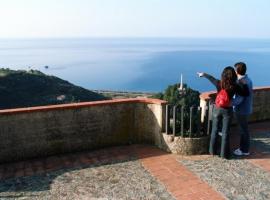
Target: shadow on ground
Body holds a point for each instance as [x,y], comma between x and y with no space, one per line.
[57,170]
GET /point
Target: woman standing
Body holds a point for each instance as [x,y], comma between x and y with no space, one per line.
[227,87]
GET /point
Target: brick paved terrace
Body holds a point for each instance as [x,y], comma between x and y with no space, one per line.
[142,172]
[113,150]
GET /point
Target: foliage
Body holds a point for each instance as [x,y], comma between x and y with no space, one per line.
[33,88]
[187,98]
[159,95]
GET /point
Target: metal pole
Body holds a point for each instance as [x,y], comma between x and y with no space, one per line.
[167,125]
[190,121]
[199,121]
[174,120]
[182,121]
[210,108]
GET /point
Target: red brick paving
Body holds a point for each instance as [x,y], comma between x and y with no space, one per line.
[178,180]
[263,163]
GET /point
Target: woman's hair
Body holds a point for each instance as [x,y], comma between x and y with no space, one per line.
[228,78]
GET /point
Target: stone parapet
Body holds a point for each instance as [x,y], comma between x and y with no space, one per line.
[49,130]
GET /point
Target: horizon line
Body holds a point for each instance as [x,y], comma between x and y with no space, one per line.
[134,37]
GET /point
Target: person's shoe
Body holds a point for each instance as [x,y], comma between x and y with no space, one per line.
[220,133]
[238,152]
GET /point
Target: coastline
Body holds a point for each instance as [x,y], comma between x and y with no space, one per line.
[119,94]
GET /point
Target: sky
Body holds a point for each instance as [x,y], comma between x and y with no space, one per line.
[134,18]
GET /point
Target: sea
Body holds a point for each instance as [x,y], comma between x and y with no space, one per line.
[137,64]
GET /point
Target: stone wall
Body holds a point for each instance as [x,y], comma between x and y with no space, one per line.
[49,130]
[261,103]
[42,131]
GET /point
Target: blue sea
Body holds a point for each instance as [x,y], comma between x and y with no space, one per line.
[137,64]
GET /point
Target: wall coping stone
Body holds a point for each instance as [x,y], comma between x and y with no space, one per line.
[81,105]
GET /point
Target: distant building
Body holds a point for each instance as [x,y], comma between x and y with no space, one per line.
[61,98]
[181,88]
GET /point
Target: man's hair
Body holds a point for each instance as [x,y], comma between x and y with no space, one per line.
[241,68]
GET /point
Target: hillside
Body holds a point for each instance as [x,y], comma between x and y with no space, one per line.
[34,88]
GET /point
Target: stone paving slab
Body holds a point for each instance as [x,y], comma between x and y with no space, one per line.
[126,180]
[260,144]
[108,174]
[113,173]
[141,172]
[260,156]
[243,178]
[236,179]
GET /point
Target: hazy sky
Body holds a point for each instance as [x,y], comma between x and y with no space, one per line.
[135,18]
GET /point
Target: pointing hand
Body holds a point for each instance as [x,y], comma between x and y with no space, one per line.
[200,74]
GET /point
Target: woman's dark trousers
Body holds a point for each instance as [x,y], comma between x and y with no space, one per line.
[224,115]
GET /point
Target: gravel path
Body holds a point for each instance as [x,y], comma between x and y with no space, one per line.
[237,179]
[127,180]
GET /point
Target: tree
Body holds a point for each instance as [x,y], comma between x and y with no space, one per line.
[187,98]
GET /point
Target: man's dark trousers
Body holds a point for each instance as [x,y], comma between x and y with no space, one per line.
[244,133]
